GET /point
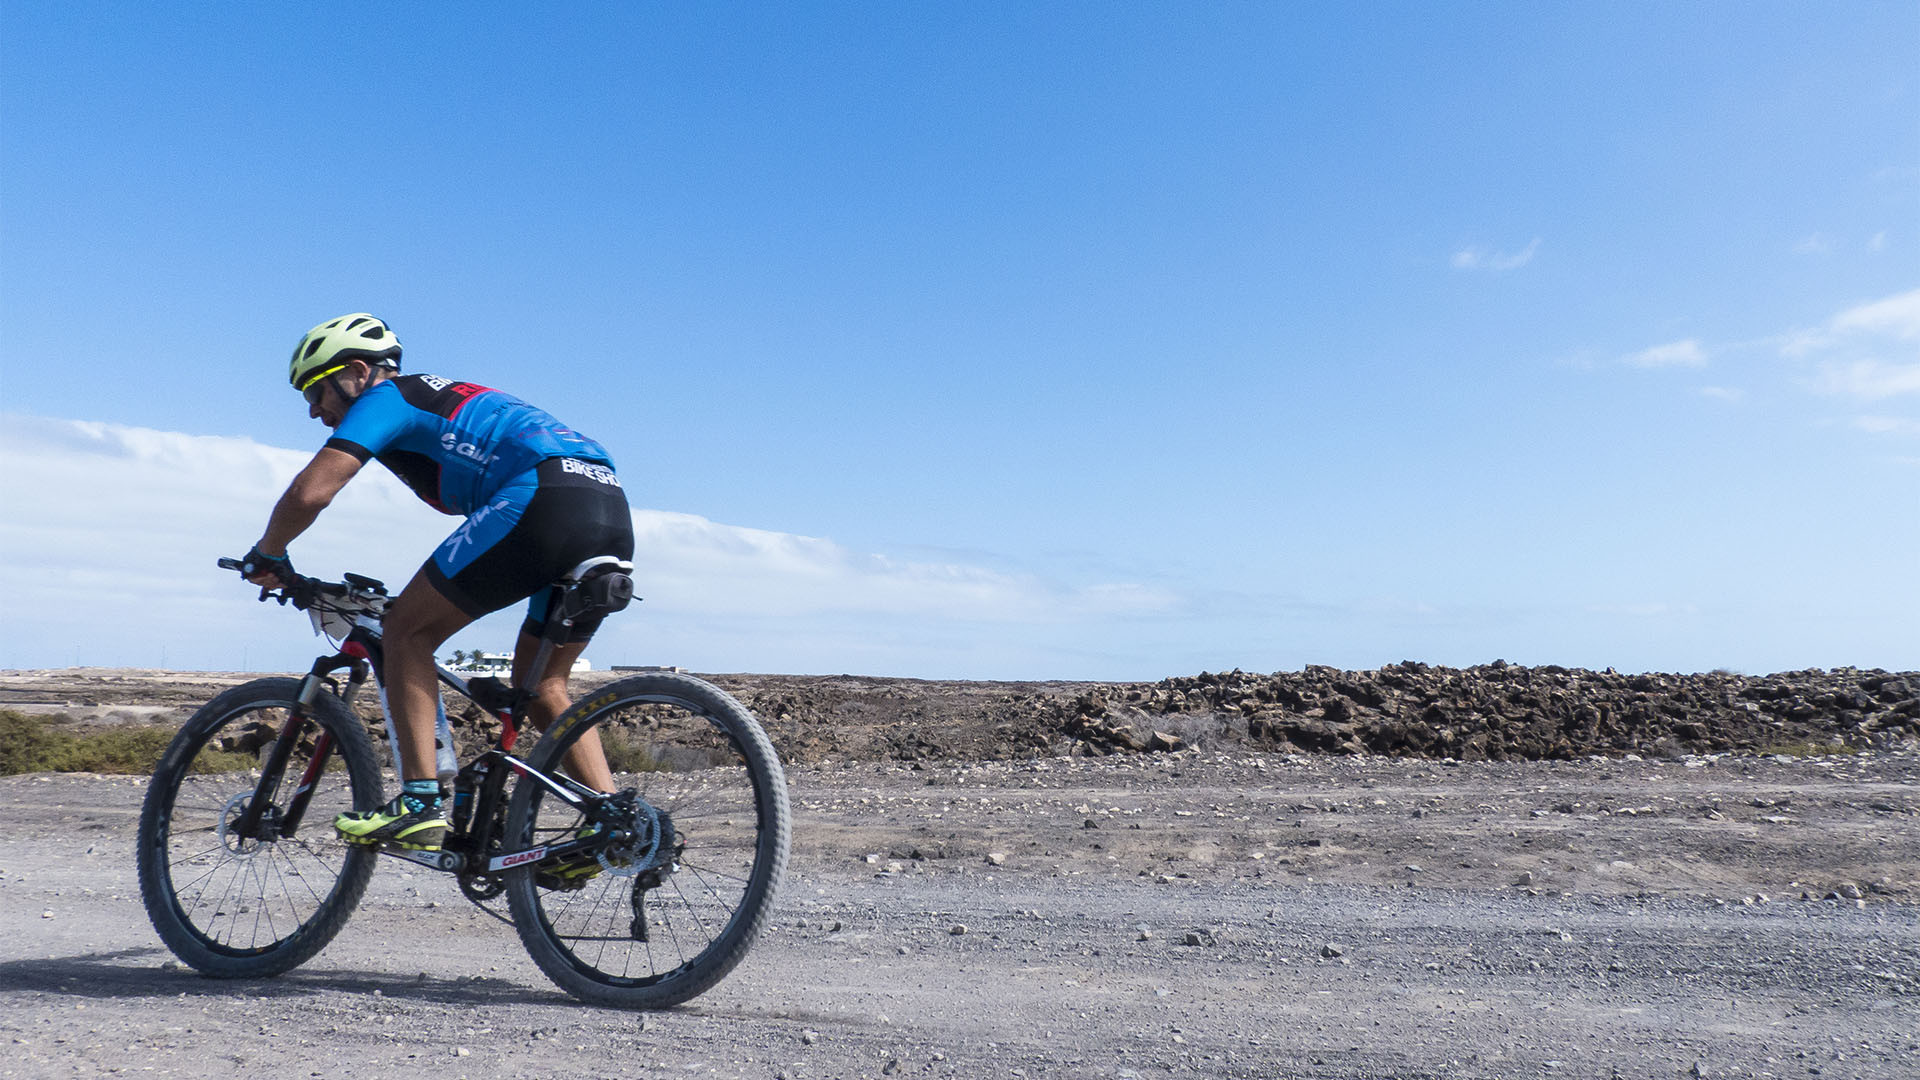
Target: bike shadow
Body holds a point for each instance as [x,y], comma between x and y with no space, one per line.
[131,974]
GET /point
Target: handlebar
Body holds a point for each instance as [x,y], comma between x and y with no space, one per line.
[301,591]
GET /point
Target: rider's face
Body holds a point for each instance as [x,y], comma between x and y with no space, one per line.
[323,403]
[327,401]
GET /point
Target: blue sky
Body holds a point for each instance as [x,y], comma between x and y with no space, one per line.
[991,340]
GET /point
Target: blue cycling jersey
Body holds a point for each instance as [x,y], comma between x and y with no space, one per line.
[455,443]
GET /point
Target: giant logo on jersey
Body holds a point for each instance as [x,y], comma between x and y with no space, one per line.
[451,444]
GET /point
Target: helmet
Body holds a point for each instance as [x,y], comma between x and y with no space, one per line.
[328,347]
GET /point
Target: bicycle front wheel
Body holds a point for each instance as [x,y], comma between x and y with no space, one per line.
[243,902]
[663,921]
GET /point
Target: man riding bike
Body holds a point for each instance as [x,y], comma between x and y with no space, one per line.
[538,498]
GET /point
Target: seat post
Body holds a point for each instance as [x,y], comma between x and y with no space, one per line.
[554,633]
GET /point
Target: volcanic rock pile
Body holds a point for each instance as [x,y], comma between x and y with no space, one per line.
[1501,711]
[1494,711]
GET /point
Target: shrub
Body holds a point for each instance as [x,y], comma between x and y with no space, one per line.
[627,751]
[25,743]
[36,744]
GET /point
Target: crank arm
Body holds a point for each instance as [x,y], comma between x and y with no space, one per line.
[451,862]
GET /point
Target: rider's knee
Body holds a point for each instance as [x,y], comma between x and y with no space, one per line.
[410,637]
[552,694]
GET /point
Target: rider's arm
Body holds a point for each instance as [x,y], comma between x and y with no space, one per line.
[310,493]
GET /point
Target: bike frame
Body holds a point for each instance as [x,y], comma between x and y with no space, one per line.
[464,850]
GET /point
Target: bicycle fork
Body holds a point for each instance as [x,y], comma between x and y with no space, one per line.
[259,820]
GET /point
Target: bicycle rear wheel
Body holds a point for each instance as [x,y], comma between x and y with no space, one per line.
[652,926]
[236,906]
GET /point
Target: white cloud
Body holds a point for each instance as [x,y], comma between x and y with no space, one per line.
[1475,258]
[1888,425]
[695,564]
[1869,352]
[108,544]
[1868,380]
[1879,323]
[1686,353]
[1896,316]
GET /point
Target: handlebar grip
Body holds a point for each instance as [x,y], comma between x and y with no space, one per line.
[229,564]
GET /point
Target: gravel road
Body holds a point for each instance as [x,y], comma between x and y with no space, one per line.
[1227,915]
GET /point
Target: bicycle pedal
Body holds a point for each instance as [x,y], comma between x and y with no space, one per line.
[557,883]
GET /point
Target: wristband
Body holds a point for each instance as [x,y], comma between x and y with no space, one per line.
[257,562]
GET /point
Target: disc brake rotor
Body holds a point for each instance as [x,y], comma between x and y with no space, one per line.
[636,855]
[229,817]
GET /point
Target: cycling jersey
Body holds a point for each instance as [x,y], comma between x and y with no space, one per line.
[455,443]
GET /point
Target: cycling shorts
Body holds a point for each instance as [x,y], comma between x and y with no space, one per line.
[536,527]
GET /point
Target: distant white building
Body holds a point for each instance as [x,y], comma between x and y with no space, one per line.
[501,663]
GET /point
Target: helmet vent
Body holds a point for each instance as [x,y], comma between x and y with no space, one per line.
[373,332]
[312,347]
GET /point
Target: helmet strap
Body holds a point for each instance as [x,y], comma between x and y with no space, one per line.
[376,374]
[342,391]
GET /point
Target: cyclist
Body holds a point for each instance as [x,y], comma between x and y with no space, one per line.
[538,498]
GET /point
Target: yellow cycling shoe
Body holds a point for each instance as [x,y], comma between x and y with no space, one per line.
[405,821]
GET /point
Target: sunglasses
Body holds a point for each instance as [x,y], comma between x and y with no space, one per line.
[315,389]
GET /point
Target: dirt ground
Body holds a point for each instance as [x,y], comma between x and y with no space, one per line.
[1211,913]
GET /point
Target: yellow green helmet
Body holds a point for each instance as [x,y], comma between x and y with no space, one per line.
[328,347]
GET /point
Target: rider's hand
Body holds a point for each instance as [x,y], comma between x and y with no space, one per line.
[270,571]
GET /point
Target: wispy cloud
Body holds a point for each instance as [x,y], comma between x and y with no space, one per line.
[1888,425]
[1869,352]
[1896,316]
[1867,355]
[1889,321]
[1688,353]
[1867,380]
[1479,258]
[704,566]
[1821,243]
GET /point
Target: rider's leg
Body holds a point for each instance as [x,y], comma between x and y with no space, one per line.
[417,623]
[585,760]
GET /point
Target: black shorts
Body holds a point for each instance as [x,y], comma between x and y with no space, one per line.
[537,527]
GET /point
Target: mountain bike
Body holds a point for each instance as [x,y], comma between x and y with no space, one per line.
[640,898]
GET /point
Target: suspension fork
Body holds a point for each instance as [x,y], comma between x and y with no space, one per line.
[288,741]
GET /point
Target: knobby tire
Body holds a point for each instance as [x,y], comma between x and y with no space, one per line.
[699,756]
[237,908]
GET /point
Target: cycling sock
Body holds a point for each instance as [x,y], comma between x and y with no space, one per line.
[420,794]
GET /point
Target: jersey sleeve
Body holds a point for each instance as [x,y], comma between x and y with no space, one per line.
[372,424]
